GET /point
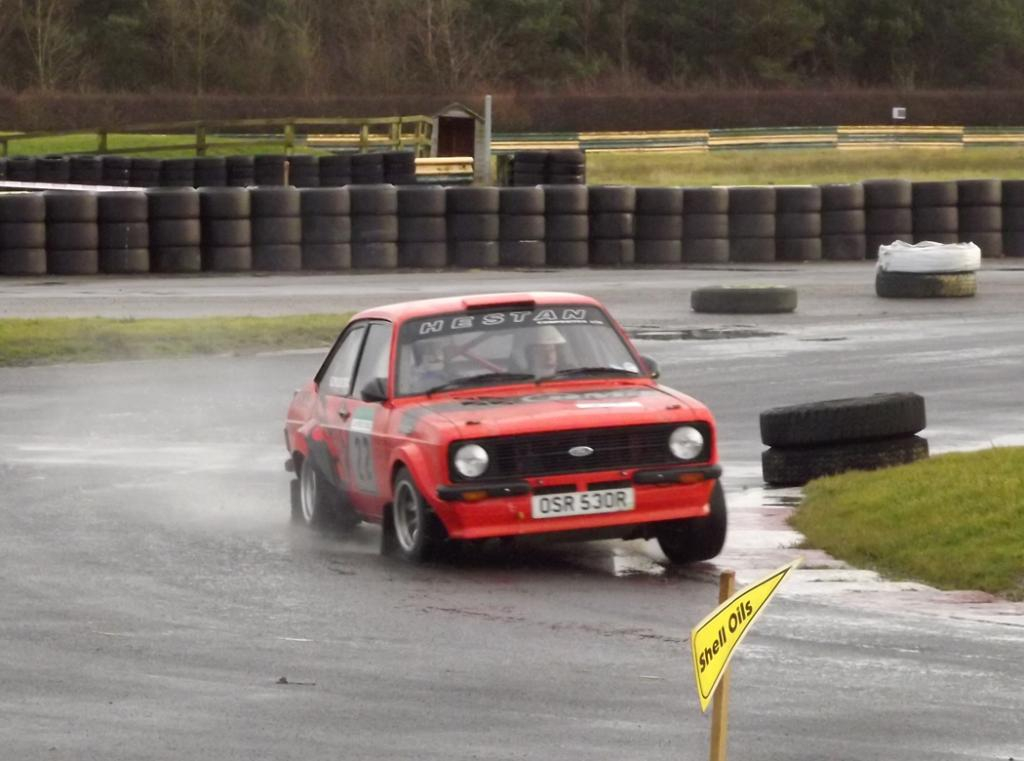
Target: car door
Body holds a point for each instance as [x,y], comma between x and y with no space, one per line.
[367,451]
[334,386]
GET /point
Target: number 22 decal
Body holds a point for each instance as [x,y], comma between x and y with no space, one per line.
[360,451]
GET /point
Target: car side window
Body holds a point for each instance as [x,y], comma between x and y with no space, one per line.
[376,355]
[337,379]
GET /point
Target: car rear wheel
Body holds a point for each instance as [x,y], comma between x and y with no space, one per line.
[693,539]
[318,503]
[417,532]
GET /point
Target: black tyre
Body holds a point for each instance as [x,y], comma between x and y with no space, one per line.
[375,229]
[798,249]
[325,202]
[705,201]
[426,201]
[211,171]
[879,416]
[123,235]
[513,227]
[658,251]
[612,225]
[277,257]
[564,178]
[226,232]
[1013,218]
[53,169]
[912,285]
[473,200]
[612,199]
[843,222]
[706,225]
[427,254]
[705,250]
[473,226]
[521,253]
[751,225]
[939,219]
[752,250]
[268,169]
[319,502]
[326,256]
[751,200]
[990,243]
[72,236]
[981,218]
[326,230]
[374,200]
[173,203]
[750,299]
[27,235]
[889,221]
[888,194]
[695,539]
[375,255]
[659,227]
[168,233]
[22,207]
[175,259]
[934,194]
[224,203]
[416,531]
[71,206]
[798,225]
[475,254]
[1013,193]
[935,237]
[567,253]
[274,201]
[797,199]
[536,160]
[85,170]
[798,465]
[227,258]
[1013,244]
[521,201]
[129,206]
[568,199]
[659,201]
[979,193]
[612,253]
[145,172]
[116,170]
[567,227]
[842,196]
[873,242]
[275,231]
[21,169]
[124,261]
[22,261]
[422,229]
[527,179]
[241,171]
[73,262]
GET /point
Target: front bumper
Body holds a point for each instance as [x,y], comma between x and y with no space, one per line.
[479,511]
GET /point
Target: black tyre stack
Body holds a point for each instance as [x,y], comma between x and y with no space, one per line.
[123,232]
[1013,217]
[752,224]
[374,226]
[276,228]
[53,169]
[174,230]
[226,229]
[422,226]
[934,212]
[367,169]
[659,225]
[566,167]
[22,234]
[798,223]
[144,173]
[336,170]
[824,438]
[705,225]
[241,171]
[566,225]
[843,222]
[887,214]
[400,167]
[211,172]
[3,168]
[268,169]
[981,215]
[473,226]
[304,170]
[326,228]
[178,173]
[72,237]
[612,224]
[528,168]
[117,170]
[521,227]
[85,170]
[21,169]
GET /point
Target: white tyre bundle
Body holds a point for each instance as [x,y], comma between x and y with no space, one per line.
[927,270]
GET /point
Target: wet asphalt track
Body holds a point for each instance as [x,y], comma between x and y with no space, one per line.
[153,592]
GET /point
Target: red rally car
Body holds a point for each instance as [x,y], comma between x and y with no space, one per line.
[502,415]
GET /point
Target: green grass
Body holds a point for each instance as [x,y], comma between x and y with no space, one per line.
[813,166]
[954,521]
[97,339]
[87,142]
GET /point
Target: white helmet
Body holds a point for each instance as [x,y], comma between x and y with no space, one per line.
[546,335]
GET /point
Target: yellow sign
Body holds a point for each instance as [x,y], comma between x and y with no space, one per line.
[714,639]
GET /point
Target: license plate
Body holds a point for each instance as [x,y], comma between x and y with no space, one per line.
[582,503]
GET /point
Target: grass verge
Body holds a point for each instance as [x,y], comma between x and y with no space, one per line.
[955,521]
[791,167]
[97,339]
[86,142]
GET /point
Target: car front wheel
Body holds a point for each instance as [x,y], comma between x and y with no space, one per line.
[693,539]
[417,532]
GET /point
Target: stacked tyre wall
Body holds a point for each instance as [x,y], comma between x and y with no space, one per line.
[383,226]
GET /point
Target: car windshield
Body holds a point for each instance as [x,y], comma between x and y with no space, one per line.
[515,345]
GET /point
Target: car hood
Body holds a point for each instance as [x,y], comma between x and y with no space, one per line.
[551,408]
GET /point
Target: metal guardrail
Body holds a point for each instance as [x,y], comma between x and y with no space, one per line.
[840,137]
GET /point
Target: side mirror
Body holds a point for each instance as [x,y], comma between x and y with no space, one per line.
[652,366]
[375,391]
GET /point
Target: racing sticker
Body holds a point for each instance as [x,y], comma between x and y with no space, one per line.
[360,450]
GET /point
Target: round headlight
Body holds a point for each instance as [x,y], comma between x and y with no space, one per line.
[471,460]
[686,442]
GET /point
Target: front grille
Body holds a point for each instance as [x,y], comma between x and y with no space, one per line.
[544,454]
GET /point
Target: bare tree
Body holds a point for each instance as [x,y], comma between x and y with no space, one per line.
[52,42]
[192,31]
[454,52]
